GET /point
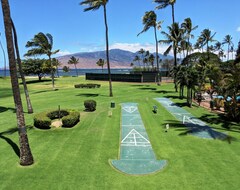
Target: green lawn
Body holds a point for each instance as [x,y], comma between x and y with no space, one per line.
[78,158]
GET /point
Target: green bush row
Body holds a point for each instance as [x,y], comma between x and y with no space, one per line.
[43,120]
[87,85]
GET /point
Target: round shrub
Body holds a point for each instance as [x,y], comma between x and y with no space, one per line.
[90,105]
[43,120]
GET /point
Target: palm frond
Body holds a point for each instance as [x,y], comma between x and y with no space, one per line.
[167,50]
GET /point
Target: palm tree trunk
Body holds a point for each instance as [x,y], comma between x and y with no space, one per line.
[52,73]
[76,69]
[228,53]
[107,52]
[173,17]
[26,157]
[158,72]
[29,105]
[175,64]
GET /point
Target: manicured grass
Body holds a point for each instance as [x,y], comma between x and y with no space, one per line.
[78,158]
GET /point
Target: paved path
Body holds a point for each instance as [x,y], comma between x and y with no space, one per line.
[136,153]
[196,126]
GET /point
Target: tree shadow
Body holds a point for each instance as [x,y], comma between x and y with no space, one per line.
[199,131]
[139,85]
[5,92]
[172,96]
[164,92]
[9,141]
[38,81]
[87,95]
[147,88]
[4,109]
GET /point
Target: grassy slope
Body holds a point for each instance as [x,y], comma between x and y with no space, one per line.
[78,158]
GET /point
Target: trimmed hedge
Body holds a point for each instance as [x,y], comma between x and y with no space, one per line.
[87,85]
[43,120]
[90,105]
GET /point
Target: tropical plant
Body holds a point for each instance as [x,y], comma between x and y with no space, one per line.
[65,69]
[137,59]
[42,44]
[228,40]
[74,61]
[141,52]
[101,63]
[165,3]
[188,28]
[219,49]
[56,63]
[29,104]
[173,37]
[95,5]
[150,20]
[26,157]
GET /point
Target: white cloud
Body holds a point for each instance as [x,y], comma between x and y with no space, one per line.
[134,47]
[238,29]
[62,53]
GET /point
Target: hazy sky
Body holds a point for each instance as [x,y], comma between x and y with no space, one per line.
[76,31]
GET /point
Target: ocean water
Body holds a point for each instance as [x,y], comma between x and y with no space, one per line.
[72,72]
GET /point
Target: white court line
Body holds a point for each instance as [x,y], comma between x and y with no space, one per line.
[134,132]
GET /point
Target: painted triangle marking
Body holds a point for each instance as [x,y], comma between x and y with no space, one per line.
[134,138]
[130,109]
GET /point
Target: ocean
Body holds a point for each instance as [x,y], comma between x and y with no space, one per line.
[72,72]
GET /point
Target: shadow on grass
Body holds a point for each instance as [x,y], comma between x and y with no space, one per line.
[9,141]
[3,109]
[87,95]
[147,88]
[38,81]
[164,92]
[5,92]
[139,85]
[199,131]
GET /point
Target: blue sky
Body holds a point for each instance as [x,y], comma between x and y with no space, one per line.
[76,31]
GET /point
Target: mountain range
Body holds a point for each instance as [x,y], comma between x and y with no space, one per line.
[118,58]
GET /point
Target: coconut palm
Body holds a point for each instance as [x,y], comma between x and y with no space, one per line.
[141,52]
[73,60]
[150,20]
[42,44]
[29,105]
[137,59]
[101,63]
[173,37]
[188,28]
[56,63]
[228,40]
[206,37]
[26,157]
[165,3]
[95,5]
[4,58]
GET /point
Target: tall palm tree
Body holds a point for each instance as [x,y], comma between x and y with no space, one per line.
[173,37]
[188,28]
[29,104]
[165,3]
[150,20]
[95,5]
[101,63]
[26,157]
[42,44]
[141,52]
[73,60]
[137,59]
[228,40]
[4,58]
[218,48]
[206,37]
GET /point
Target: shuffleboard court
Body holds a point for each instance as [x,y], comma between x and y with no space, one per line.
[197,127]
[136,153]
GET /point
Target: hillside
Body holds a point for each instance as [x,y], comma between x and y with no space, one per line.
[118,58]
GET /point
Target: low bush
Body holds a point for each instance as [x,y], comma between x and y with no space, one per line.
[71,119]
[87,85]
[90,105]
[43,120]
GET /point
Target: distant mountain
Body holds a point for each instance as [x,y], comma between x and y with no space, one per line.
[118,58]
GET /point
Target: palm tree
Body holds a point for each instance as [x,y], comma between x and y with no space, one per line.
[42,44]
[228,40]
[137,59]
[73,60]
[218,48]
[206,37]
[173,37]
[26,157]
[4,58]
[164,3]
[141,52]
[101,63]
[151,60]
[188,28]
[56,63]
[150,20]
[29,105]
[95,5]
